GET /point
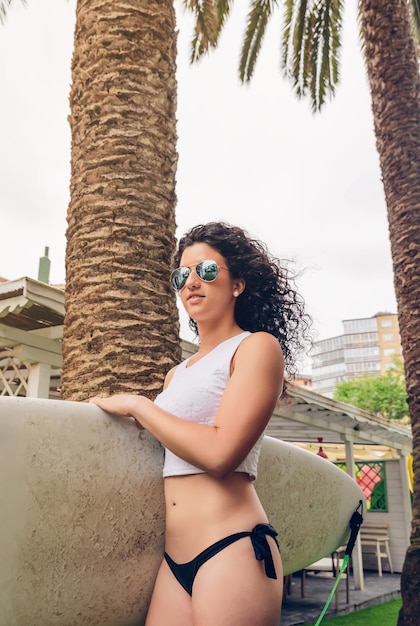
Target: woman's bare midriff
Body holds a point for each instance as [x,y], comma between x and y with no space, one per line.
[201,509]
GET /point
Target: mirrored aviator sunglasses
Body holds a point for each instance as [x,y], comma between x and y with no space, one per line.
[206,271]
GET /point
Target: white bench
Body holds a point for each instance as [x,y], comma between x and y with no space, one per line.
[331,564]
[374,539]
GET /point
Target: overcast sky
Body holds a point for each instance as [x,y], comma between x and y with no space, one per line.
[307,185]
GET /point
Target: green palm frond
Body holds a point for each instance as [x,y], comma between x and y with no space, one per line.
[4,7]
[258,16]
[328,29]
[415,16]
[311,46]
[360,29]
[223,12]
[205,25]
[294,41]
[210,17]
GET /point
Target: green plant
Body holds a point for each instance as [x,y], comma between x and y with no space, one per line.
[385,395]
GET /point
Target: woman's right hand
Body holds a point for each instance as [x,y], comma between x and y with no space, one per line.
[120,404]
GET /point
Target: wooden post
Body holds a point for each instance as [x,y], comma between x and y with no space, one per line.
[357,559]
[39,380]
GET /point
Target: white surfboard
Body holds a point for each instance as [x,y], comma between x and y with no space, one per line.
[82,512]
[308,500]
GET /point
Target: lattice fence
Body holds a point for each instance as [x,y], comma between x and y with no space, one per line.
[371,478]
[13,375]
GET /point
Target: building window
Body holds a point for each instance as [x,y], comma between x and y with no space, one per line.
[386,323]
[389,351]
[388,337]
[361,353]
[359,325]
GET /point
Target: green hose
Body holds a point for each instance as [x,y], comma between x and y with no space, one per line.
[330,597]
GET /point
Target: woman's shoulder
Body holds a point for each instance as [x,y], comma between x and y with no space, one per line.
[260,358]
[262,344]
[261,337]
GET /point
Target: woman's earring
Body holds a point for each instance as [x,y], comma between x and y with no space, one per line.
[235,294]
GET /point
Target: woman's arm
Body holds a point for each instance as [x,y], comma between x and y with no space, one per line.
[245,409]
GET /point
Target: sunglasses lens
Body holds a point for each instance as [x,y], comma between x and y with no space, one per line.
[179,277]
[207,270]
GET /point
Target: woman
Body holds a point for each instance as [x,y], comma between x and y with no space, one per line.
[222,564]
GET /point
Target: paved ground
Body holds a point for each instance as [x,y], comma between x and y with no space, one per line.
[297,610]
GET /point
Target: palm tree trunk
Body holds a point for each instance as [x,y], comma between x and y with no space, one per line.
[394,79]
[121,327]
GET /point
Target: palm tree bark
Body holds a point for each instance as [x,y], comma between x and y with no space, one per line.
[394,79]
[121,328]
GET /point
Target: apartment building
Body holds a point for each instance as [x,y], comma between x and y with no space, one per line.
[367,346]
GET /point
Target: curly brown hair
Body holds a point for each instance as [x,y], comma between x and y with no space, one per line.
[270,301]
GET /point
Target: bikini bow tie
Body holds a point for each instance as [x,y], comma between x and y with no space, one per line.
[262,549]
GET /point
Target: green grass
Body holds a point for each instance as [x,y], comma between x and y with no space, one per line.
[379,615]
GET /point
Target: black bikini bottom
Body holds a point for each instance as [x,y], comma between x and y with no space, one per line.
[185,573]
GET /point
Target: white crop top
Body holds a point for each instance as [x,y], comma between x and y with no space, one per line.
[194,394]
